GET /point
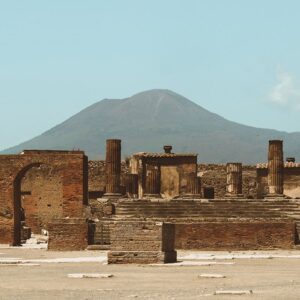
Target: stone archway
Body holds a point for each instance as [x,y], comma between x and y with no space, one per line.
[73,166]
[16,238]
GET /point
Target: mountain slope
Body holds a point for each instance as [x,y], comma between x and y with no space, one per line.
[151,119]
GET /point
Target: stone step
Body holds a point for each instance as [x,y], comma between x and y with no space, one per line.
[182,211]
[205,207]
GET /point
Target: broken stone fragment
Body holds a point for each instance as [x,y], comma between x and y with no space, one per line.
[245,292]
[212,276]
[89,275]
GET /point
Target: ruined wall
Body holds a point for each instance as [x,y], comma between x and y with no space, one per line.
[215,175]
[70,166]
[68,234]
[266,234]
[291,180]
[97,177]
[174,171]
[211,175]
[142,242]
[41,196]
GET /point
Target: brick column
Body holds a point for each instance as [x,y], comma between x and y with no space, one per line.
[113,168]
[193,186]
[132,185]
[234,184]
[152,186]
[275,168]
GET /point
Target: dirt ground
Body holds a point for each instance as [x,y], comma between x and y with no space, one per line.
[40,274]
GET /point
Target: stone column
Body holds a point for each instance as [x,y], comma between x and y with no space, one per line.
[132,185]
[193,186]
[234,183]
[152,186]
[113,168]
[275,168]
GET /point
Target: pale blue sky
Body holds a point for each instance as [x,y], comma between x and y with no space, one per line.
[237,58]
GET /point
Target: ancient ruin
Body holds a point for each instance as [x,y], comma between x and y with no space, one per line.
[145,208]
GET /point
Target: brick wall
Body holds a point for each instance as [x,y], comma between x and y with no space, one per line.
[41,196]
[69,166]
[68,235]
[236,235]
[142,242]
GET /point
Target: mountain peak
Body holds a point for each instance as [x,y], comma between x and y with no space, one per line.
[148,120]
[160,95]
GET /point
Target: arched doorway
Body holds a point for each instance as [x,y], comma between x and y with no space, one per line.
[72,167]
[37,199]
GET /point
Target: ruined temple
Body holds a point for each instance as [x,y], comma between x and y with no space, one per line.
[146,207]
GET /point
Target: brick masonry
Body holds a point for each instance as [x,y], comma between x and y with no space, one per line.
[69,166]
[41,197]
[142,242]
[248,235]
[68,234]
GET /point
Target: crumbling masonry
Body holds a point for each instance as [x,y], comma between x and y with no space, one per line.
[152,205]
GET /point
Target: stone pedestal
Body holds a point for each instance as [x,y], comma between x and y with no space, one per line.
[113,168]
[275,169]
[234,184]
[142,242]
[152,185]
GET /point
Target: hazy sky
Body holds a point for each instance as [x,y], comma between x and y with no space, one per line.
[239,58]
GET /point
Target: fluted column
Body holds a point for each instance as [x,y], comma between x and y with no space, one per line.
[234,183]
[132,185]
[193,186]
[113,167]
[275,168]
[152,186]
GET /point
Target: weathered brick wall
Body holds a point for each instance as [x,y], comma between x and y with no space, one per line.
[142,242]
[215,175]
[42,195]
[235,235]
[69,165]
[68,235]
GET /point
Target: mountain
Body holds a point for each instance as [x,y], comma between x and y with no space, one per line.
[151,119]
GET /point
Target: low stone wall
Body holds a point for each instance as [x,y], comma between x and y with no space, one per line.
[68,235]
[247,235]
[142,242]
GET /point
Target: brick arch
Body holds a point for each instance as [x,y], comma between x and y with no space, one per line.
[73,168]
[16,232]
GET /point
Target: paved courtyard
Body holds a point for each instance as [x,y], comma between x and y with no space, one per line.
[40,274]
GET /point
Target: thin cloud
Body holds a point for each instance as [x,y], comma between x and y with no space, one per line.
[286,92]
